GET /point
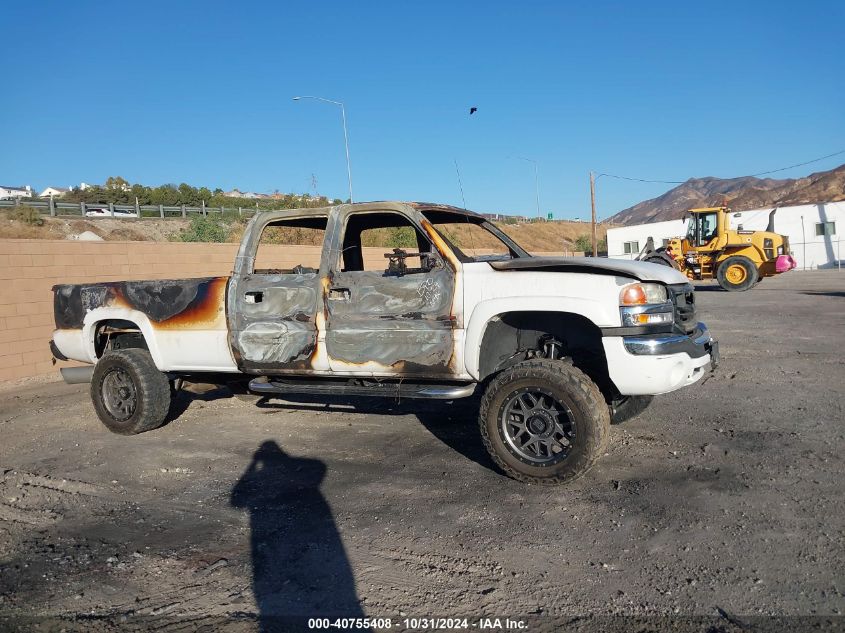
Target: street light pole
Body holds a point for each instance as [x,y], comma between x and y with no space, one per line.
[345,136]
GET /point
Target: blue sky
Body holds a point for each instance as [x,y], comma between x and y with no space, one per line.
[200,92]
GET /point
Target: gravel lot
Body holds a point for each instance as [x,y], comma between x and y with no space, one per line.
[724,500]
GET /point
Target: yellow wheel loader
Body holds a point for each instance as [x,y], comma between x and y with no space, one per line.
[711,249]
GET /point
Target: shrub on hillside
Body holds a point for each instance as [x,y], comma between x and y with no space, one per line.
[585,243]
[204,229]
[26,214]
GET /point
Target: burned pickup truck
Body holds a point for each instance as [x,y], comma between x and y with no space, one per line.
[555,348]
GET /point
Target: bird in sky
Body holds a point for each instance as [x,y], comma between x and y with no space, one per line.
[473,110]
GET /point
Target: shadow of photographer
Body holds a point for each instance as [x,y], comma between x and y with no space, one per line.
[300,568]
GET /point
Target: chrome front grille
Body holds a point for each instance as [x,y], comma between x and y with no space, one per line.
[683,297]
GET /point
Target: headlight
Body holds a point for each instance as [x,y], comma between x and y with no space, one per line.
[632,317]
[645,304]
[642,294]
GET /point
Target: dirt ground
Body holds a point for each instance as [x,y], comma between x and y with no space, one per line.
[724,500]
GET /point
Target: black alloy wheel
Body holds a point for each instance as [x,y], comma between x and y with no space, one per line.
[537,427]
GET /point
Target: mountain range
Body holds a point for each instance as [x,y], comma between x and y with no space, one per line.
[740,194]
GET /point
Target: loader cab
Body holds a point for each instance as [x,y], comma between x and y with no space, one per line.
[704,226]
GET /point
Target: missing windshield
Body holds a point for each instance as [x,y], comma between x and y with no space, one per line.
[472,238]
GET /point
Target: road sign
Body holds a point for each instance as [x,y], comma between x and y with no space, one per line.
[550,216]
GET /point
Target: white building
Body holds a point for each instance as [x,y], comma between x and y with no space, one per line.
[54,192]
[15,192]
[237,193]
[815,232]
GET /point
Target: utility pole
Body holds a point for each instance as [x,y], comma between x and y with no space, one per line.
[593,205]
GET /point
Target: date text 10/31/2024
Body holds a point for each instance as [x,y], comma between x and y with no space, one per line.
[424,623]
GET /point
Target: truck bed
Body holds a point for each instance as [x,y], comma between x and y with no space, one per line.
[166,302]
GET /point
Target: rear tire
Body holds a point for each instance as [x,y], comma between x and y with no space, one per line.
[737,274]
[129,393]
[663,260]
[544,421]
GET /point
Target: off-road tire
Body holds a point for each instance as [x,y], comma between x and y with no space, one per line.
[663,260]
[151,388]
[749,274]
[629,408]
[571,387]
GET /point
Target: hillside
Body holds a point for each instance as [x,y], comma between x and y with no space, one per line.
[538,236]
[739,193]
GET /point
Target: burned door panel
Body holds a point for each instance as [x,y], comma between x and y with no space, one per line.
[392,321]
[274,320]
[276,293]
[276,343]
[401,323]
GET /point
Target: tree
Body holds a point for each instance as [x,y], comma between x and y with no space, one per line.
[141,193]
[117,182]
[187,194]
[585,243]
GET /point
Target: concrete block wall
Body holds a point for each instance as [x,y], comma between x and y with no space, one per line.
[30,268]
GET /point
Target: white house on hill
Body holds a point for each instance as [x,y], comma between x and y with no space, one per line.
[814,232]
[54,192]
[6,191]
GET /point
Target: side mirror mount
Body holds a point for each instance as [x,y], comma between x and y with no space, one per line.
[398,266]
[431,261]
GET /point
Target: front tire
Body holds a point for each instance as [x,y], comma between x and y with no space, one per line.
[129,393]
[737,273]
[544,421]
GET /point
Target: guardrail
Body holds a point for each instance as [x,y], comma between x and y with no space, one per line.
[56,208]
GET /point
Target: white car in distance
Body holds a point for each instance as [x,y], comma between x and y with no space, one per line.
[104,212]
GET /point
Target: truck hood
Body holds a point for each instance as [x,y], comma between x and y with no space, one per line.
[642,271]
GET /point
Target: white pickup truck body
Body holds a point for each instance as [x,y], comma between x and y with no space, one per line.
[198,338]
[457,318]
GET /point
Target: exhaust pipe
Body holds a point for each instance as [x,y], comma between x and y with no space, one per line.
[770,228]
[77,375]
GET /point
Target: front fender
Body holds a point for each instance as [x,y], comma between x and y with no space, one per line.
[594,310]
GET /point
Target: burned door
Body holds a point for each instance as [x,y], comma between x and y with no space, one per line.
[389,299]
[273,301]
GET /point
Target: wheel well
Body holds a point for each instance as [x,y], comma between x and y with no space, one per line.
[117,334]
[513,337]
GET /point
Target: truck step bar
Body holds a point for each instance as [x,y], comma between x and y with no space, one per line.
[353,387]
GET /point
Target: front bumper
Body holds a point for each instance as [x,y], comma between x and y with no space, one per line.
[696,344]
[659,363]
